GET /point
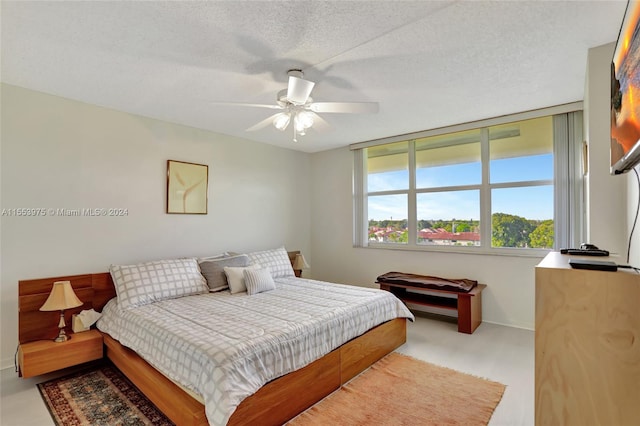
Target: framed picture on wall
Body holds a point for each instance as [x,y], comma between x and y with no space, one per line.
[187,186]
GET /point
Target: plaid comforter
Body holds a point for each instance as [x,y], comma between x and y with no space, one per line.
[225,347]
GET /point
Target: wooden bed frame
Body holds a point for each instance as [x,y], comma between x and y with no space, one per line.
[273,404]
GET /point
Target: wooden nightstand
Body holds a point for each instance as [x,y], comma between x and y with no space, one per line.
[45,356]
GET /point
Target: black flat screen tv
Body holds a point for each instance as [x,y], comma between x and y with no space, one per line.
[625,93]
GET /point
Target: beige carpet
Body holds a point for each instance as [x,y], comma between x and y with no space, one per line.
[400,390]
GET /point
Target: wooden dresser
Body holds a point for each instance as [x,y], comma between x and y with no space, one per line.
[587,344]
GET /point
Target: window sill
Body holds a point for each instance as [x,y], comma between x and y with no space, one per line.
[483,251]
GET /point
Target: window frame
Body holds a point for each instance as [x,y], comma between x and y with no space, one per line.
[567,183]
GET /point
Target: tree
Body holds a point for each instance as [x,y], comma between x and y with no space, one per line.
[510,230]
[424,224]
[462,227]
[439,224]
[542,236]
[398,237]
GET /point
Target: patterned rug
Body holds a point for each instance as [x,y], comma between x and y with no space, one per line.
[401,390]
[99,396]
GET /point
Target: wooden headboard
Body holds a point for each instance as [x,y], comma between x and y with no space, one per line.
[95,290]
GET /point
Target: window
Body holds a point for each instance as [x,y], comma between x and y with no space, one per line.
[500,187]
[448,182]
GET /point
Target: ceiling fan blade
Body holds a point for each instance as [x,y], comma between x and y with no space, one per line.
[345,107]
[247,105]
[298,90]
[262,124]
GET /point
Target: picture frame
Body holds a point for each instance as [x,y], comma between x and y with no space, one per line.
[187,187]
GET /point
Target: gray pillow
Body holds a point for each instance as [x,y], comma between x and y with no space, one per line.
[213,270]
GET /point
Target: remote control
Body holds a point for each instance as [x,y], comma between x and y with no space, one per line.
[585,252]
[598,265]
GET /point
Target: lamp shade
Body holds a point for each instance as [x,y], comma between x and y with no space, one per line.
[281,121]
[300,262]
[303,120]
[61,297]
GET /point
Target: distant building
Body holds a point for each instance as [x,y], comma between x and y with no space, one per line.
[384,235]
[442,237]
[427,236]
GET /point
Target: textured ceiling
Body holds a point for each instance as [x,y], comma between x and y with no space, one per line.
[429,64]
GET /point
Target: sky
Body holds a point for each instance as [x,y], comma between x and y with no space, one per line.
[535,202]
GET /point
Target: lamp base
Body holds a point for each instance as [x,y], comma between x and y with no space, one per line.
[62,338]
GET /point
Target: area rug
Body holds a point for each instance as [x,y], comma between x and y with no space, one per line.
[400,390]
[99,396]
[397,390]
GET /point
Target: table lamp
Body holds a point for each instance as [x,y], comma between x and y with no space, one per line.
[61,297]
[300,262]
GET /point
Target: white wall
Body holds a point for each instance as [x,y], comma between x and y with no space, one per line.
[633,196]
[58,153]
[606,194]
[613,199]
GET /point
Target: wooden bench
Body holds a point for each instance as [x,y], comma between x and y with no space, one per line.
[468,305]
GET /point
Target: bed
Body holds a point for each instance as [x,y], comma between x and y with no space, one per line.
[273,395]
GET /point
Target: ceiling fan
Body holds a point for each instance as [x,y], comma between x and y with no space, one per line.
[298,108]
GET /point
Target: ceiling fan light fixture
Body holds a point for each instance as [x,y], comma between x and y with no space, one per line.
[281,121]
[303,120]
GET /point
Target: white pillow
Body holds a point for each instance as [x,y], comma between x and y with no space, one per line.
[258,280]
[144,283]
[276,260]
[235,277]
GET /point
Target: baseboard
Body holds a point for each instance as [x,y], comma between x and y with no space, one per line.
[453,319]
[510,325]
[7,363]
